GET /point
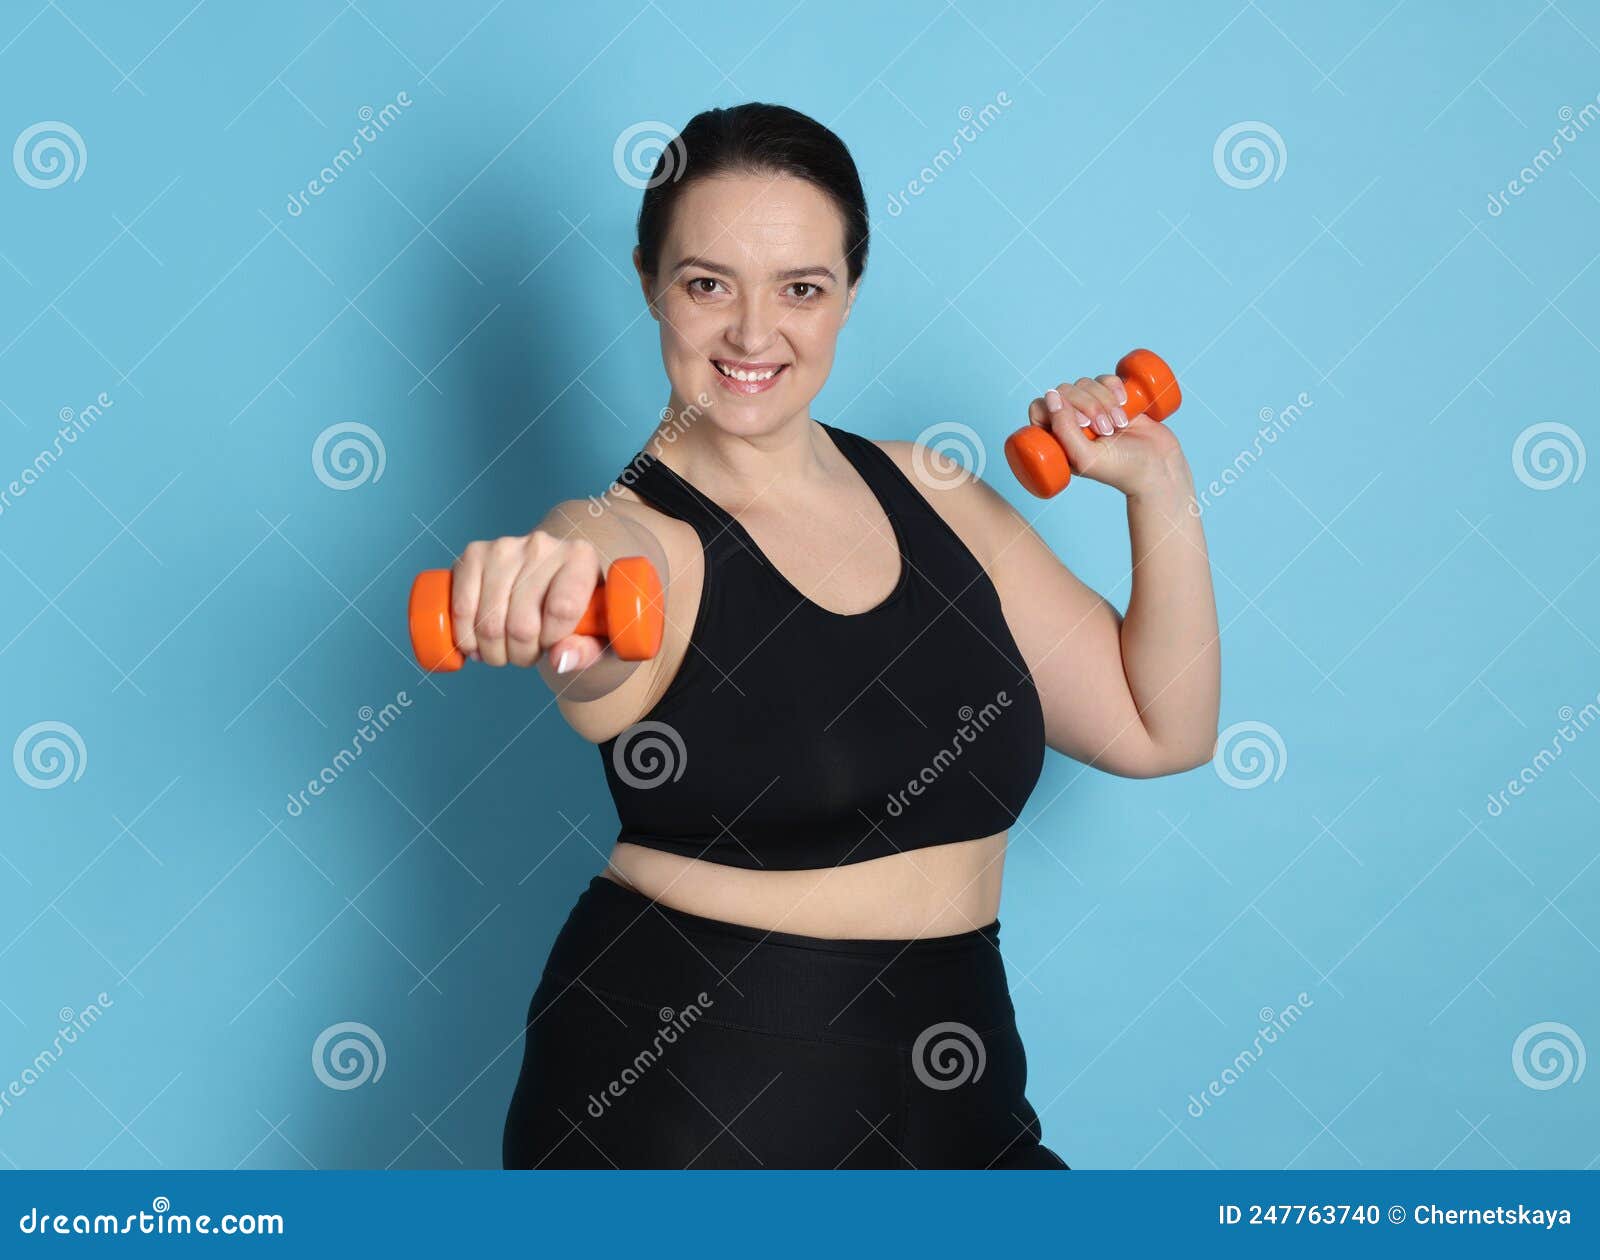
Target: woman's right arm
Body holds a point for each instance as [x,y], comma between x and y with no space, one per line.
[517,600]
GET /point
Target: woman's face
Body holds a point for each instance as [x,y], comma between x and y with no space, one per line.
[752,284]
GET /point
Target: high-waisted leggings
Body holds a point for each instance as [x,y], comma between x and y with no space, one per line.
[662,1039]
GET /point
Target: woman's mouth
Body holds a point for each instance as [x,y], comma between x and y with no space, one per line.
[748,378]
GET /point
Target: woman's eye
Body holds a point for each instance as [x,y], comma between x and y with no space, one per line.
[707,286]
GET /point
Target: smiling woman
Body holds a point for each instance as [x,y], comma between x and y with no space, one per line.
[760,244]
[816,774]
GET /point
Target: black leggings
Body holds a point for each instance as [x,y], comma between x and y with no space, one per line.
[662,1039]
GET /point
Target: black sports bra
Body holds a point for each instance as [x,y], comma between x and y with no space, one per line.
[793,737]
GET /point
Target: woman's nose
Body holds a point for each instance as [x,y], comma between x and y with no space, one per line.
[753,326]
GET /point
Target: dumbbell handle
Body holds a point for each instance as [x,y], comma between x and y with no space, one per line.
[1040,461]
[626,608]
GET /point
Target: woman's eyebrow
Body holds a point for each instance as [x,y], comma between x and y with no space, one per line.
[793,273]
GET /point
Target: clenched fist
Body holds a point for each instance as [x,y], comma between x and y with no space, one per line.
[514,600]
[1084,414]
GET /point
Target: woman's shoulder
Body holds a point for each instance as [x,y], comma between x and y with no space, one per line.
[616,522]
[621,523]
[950,480]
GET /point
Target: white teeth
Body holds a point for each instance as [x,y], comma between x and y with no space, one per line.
[739,374]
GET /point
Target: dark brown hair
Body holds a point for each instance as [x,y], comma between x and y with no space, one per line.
[756,138]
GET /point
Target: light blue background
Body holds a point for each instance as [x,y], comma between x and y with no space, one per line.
[1404,611]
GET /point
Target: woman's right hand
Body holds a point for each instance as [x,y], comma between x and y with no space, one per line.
[515,600]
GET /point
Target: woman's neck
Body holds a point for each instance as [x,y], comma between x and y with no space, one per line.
[738,468]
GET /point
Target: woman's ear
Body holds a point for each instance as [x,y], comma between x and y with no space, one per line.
[646,283]
[849,303]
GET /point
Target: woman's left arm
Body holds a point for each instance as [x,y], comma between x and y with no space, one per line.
[1137,694]
[1171,651]
[1164,653]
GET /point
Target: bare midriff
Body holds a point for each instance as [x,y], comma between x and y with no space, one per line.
[941,890]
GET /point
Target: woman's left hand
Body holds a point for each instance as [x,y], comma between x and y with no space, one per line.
[1130,454]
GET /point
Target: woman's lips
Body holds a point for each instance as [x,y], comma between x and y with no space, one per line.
[748,388]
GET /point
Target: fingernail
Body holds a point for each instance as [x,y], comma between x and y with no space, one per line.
[565,661]
[1052,400]
[1122,422]
[1122,394]
[1102,425]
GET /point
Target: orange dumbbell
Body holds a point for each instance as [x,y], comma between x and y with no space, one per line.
[1040,461]
[626,608]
